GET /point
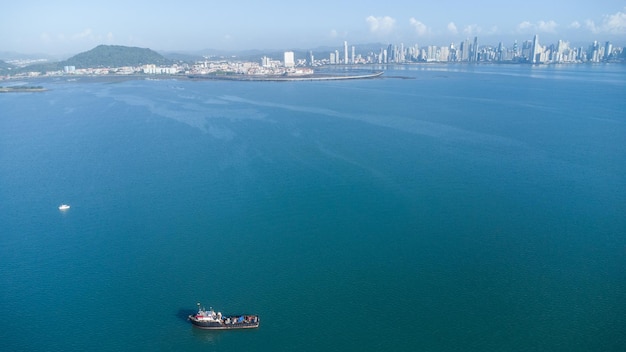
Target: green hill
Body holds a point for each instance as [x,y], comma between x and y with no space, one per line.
[5,67]
[115,56]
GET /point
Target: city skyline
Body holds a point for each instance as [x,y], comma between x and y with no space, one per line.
[69,27]
[528,52]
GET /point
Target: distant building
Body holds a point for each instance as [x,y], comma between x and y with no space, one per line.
[608,49]
[535,51]
[352,60]
[474,51]
[289,59]
[266,61]
[465,51]
[150,69]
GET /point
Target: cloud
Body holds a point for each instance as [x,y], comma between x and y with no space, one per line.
[86,36]
[452,28]
[381,25]
[548,27]
[45,37]
[592,26]
[472,29]
[420,28]
[86,33]
[333,33]
[615,23]
[612,24]
[541,26]
[493,30]
[574,25]
[522,27]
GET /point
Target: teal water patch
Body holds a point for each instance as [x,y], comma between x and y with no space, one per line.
[473,207]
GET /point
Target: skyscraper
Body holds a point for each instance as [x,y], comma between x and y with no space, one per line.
[352,59]
[465,50]
[289,59]
[534,50]
[452,56]
[474,51]
[608,47]
[390,53]
[345,52]
[266,61]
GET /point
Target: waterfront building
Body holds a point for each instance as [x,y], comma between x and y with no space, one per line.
[389,57]
[464,48]
[500,52]
[608,49]
[452,56]
[289,59]
[265,61]
[352,60]
[474,51]
[535,52]
[444,54]
[150,69]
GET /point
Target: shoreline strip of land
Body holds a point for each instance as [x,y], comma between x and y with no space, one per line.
[21,89]
[284,77]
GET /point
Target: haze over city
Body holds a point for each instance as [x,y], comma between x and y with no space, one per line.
[69,27]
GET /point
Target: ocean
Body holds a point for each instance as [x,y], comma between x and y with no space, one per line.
[439,208]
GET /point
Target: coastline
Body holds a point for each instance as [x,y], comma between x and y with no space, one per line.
[22,89]
[313,77]
[111,78]
[339,72]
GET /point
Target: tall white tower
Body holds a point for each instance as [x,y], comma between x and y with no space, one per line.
[535,50]
[345,52]
[289,59]
[352,60]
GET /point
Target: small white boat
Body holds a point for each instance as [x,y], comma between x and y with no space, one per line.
[64,207]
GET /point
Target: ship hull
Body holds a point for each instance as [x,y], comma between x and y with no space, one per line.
[253,322]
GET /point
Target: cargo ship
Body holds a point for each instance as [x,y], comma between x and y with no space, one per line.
[211,320]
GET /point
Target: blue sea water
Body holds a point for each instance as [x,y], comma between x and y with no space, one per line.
[441,208]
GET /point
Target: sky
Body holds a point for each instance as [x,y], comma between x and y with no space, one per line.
[70,27]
